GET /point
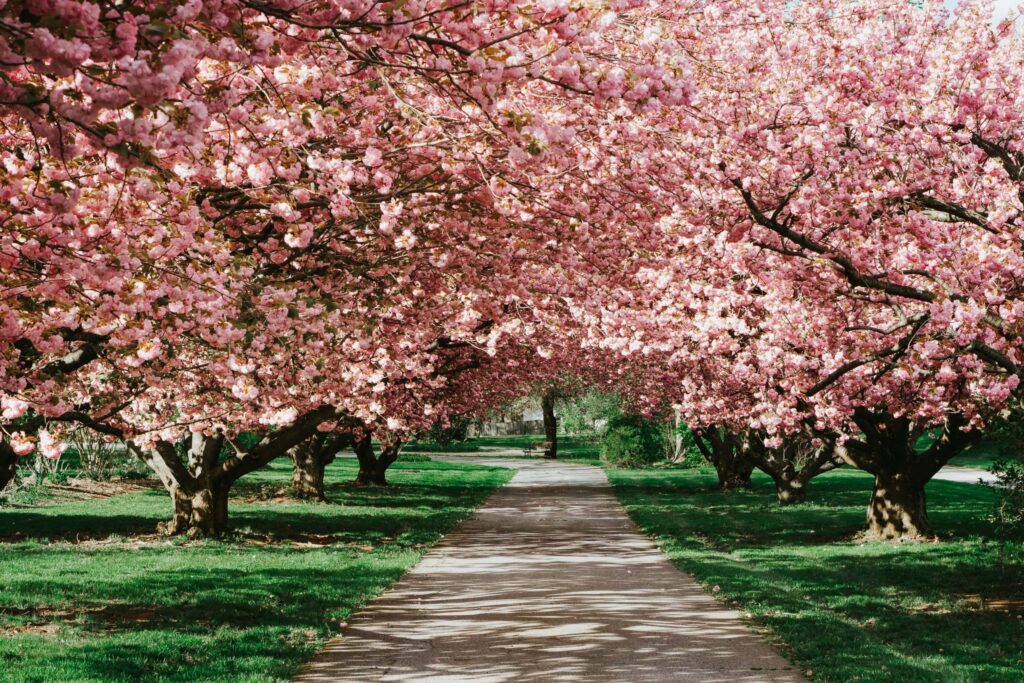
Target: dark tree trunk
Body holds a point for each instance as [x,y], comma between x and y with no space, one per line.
[897,509]
[734,474]
[547,405]
[202,511]
[790,488]
[373,468]
[200,482]
[310,459]
[724,450]
[307,476]
[791,465]
[8,465]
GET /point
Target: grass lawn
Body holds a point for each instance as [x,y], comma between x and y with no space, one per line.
[844,610]
[575,448]
[89,593]
[980,455]
[585,450]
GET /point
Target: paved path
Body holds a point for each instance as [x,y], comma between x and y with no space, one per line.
[966,475]
[549,581]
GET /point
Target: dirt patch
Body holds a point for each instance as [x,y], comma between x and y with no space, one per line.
[47,620]
[993,603]
[268,494]
[88,489]
[930,608]
[34,629]
[308,540]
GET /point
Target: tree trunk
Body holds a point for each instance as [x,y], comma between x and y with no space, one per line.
[547,405]
[200,483]
[8,465]
[791,465]
[723,450]
[202,511]
[897,509]
[678,450]
[373,469]
[310,459]
[733,473]
[307,475]
[790,487]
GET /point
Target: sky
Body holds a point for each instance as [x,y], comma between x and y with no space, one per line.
[1002,6]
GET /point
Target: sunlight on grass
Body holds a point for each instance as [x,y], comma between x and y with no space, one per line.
[847,611]
[80,604]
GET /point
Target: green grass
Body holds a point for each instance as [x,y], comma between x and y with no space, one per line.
[979,455]
[847,611]
[468,446]
[90,594]
[575,448]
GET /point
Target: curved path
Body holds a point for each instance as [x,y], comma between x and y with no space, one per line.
[549,581]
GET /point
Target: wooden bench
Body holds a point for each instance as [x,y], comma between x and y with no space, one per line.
[533,447]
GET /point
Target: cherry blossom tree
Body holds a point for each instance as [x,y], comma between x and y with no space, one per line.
[842,253]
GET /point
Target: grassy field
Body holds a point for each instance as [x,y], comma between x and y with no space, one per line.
[575,448]
[980,455]
[89,593]
[843,610]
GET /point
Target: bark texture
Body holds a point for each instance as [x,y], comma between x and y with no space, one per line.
[898,507]
[199,473]
[678,446]
[726,451]
[547,406]
[372,467]
[310,459]
[792,465]
[8,464]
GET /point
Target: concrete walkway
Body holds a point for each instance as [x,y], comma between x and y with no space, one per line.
[549,581]
[965,475]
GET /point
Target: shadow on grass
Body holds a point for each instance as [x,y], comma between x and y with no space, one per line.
[246,608]
[227,624]
[422,491]
[847,610]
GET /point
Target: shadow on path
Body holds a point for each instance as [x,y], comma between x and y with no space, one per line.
[549,581]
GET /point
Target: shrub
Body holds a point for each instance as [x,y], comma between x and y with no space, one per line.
[455,431]
[1008,518]
[1009,510]
[632,441]
[413,457]
[97,457]
[588,413]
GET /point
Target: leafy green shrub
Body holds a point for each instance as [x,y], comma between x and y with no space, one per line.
[581,414]
[690,456]
[413,457]
[632,441]
[1009,511]
[1008,519]
[455,431]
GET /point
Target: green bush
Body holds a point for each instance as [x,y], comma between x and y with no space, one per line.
[632,441]
[577,415]
[414,457]
[454,431]
[691,454]
[1009,488]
